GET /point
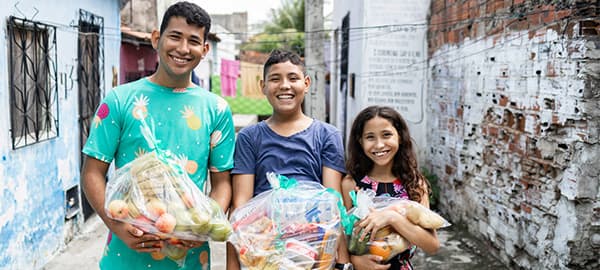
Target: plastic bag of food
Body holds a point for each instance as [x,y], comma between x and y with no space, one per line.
[387,243]
[156,195]
[295,225]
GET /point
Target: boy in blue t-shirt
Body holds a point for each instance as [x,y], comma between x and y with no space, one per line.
[192,123]
[287,143]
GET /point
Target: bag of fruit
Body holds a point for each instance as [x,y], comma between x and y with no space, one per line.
[386,243]
[295,225]
[155,194]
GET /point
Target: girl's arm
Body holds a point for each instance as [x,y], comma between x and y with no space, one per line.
[425,239]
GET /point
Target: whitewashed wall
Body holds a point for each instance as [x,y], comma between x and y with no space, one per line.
[35,177]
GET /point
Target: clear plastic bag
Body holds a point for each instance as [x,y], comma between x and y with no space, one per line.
[295,225]
[156,195]
[387,243]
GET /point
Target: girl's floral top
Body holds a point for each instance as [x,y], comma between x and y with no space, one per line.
[392,189]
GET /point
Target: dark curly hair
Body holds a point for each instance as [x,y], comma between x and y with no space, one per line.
[405,165]
[193,14]
[280,56]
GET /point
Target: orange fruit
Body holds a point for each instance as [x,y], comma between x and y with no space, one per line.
[203,258]
[157,255]
[380,248]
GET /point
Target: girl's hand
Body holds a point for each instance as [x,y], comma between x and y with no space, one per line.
[367,262]
[376,220]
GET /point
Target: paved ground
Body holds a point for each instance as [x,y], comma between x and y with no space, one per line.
[459,251]
[85,250]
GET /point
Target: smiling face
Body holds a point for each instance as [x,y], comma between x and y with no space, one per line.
[180,48]
[380,141]
[285,86]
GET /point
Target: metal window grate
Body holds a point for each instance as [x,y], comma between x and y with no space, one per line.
[33,83]
[90,70]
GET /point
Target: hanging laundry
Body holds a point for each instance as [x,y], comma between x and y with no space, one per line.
[251,75]
[230,71]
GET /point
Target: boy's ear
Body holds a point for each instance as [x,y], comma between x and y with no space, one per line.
[205,49]
[261,83]
[154,38]
[307,83]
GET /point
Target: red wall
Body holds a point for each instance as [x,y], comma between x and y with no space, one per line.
[130,54]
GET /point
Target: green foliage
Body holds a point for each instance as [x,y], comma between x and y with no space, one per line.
[287,40]
[289,16]
[284,31]
[434,197]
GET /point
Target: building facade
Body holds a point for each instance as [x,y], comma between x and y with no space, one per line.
[509,119]
[57,60]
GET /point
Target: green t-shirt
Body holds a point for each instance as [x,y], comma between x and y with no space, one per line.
[192,123]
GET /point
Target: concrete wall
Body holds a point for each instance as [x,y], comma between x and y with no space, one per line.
[388,56]
[514,123]
[143,15]
[236,23]
[35,177]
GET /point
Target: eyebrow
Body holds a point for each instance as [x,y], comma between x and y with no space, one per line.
[181,34]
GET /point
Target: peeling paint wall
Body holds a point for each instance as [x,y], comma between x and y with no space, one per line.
[514,126]
[34,178]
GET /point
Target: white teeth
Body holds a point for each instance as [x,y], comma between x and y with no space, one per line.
[285,96]
[378,154]
[179,60]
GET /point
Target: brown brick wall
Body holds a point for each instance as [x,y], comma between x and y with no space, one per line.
[514,98]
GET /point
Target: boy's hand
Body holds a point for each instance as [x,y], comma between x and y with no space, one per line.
[190,244]
[135,238]
[366,262]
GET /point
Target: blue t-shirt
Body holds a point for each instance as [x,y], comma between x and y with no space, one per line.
[259,150]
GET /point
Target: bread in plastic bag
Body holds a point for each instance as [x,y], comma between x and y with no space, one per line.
[387,243]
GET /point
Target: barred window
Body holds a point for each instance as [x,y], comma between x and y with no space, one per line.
[33,84]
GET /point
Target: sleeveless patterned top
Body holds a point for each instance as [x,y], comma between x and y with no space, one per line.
[397,190]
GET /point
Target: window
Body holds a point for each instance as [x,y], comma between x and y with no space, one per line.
[33,85]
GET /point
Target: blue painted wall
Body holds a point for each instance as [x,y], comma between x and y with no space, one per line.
[34,179]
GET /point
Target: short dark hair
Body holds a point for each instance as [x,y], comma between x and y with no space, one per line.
[193,14]
[279,56]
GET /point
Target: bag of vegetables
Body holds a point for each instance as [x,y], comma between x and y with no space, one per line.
[156,195]
[295,225]
[386,243]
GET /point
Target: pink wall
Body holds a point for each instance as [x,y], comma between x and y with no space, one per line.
[130,54]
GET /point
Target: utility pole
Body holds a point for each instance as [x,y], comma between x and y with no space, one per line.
[314,40]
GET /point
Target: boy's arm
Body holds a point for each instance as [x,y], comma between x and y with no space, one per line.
[348,185]
[93,182]
[220,188]
[333,179]
[243,189]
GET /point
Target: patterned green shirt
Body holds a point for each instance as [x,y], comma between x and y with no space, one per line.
[192,123]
